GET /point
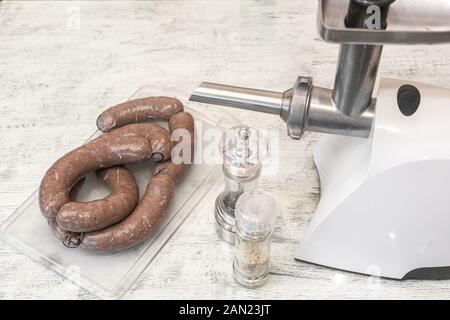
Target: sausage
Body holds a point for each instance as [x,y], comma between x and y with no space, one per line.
[180,121]
[158,137]
[69,239]
[57,231]
[138,226]
[129,144]
[99,214]
[139,110]
[104,225]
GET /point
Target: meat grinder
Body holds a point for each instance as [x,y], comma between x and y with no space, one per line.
[384,158]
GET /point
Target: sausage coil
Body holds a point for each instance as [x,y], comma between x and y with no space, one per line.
[119,221]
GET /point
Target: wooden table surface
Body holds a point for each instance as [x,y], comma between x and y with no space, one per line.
[61,63]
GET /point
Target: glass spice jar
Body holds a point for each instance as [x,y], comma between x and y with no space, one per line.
[242,148]
[256,214]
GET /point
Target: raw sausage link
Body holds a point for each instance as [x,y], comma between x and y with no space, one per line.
[129,144]
[99,214]
[140,224]
[57,231]
[65,236]
[182,125]
[158,137]
[139,110]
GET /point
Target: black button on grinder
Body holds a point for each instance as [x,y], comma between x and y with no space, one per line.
[408,99]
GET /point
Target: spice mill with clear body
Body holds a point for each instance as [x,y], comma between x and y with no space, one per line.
[242,150]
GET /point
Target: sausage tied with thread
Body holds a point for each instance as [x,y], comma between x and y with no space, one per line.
[118,222]
[138,226]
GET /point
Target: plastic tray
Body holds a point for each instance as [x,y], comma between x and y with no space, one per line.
[110,276]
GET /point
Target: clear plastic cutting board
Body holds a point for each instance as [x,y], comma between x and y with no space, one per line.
[111,276]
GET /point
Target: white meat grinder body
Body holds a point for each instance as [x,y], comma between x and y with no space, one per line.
[385,201]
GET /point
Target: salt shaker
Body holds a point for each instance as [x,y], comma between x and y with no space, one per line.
[256,214]
[242,149]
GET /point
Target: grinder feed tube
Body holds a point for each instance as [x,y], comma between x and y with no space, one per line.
[304,107]
[358,63]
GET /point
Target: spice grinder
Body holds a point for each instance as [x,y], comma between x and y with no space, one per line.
[242,150]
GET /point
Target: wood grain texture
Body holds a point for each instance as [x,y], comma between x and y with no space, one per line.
[58,71]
